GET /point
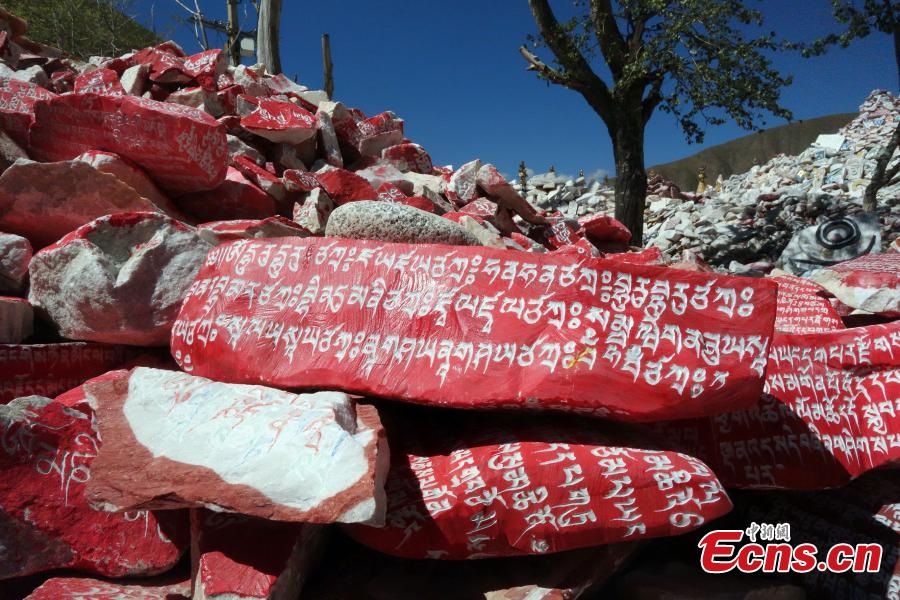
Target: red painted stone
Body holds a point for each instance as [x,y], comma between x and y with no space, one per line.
[629,342]
[602,229]
[219,232]
[99,81]
[84,588]
[205,67]
[647,256]
[389,192]
[828,415]
[408,157]
[802,308]
[164,63]
[17,100]
[464,486]
[233,556]
[236,198]
[50,369]
[46,459]
[279,121]
[562,233]
[420,202]
[870,283]
[343,186]
[172,440]
[368,136]
[183,149]
[266,181]
[299,181]
[62,81]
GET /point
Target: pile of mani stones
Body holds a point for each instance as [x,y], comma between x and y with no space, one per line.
[256,345]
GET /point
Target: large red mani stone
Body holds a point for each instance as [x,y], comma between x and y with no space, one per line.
[477,327]
[45,523]
[181,148]
[828,414]
[464,486]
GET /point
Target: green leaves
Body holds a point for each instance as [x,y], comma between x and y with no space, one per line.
[690,58]
[82,27]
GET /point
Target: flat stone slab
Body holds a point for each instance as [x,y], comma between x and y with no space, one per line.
[46,460]
[477,327]
[174,440]
[182,148]
[465,486]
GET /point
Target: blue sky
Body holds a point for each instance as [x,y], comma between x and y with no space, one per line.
[452,71]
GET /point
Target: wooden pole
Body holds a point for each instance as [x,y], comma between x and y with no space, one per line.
[327,66]
[267,35]
[234,46]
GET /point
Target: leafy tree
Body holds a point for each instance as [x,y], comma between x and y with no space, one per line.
[82,27]
[690,58]
[860,19]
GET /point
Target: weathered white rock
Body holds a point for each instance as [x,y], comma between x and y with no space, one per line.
[133,79]
[119,279]
[486,233]
[15,254]
[16,320]
[173,440]
[313,213]
[392,222]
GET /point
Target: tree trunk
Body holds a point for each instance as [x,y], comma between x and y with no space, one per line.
[267,35]
[881,176]
[631,178]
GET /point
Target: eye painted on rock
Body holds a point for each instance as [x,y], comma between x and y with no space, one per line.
[831,242]
[837,234]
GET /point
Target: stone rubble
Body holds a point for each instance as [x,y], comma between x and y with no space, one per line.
[200,263]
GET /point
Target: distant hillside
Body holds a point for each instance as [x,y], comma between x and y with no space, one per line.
[737,156]
[82,28]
